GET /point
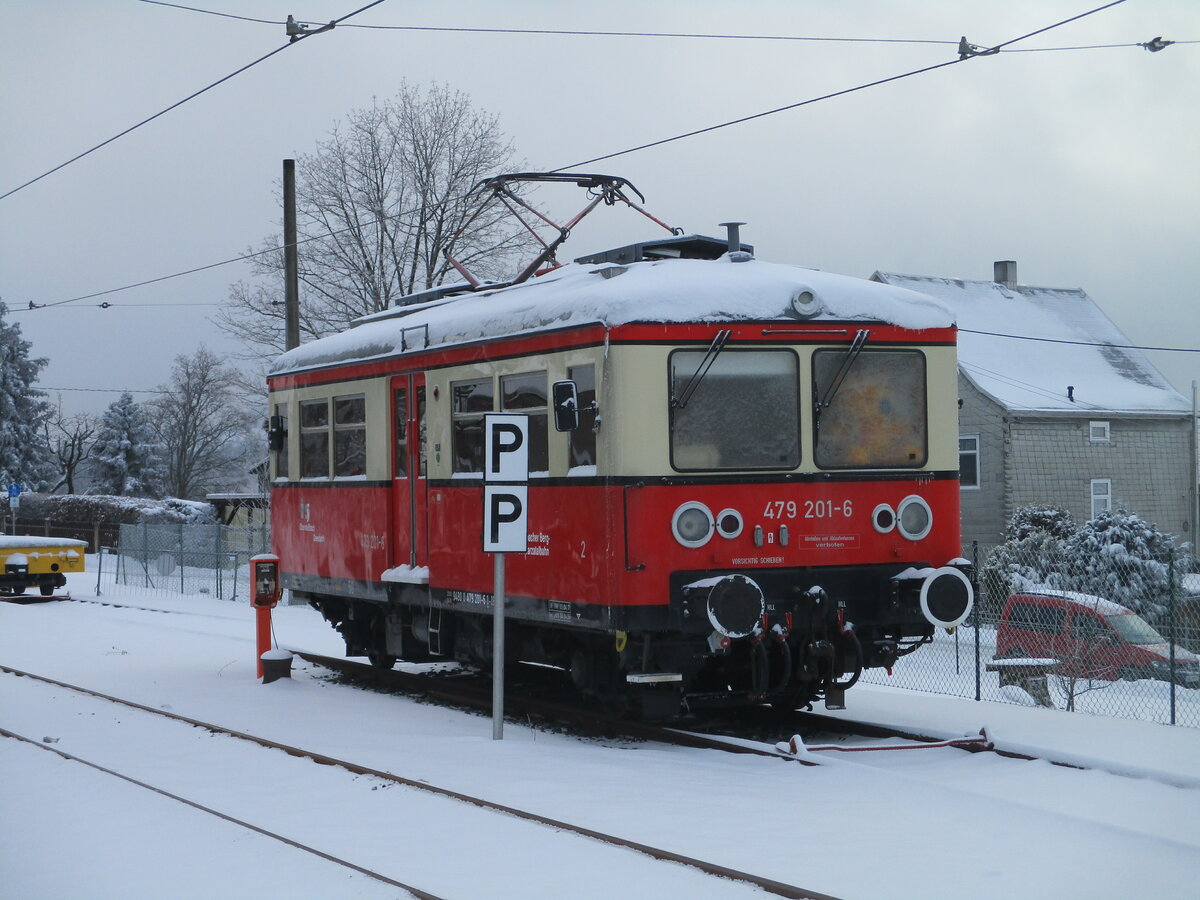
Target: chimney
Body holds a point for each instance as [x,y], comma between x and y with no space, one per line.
[1005,272]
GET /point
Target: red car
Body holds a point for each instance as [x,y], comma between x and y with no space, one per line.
[1090,637]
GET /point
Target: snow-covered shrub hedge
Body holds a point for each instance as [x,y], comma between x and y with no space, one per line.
[81,508]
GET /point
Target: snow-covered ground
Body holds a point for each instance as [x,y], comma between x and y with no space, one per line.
[947,666]
[931,824]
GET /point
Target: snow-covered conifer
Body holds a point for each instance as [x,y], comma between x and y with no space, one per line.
[128,460]
[25,456]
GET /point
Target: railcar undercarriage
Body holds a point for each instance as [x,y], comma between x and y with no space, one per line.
[722,642]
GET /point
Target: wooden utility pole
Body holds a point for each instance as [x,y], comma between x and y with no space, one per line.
[291,262]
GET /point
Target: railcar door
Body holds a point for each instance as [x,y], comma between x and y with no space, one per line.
[410,536]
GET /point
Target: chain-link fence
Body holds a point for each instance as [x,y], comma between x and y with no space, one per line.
[183,559]
[1109,634]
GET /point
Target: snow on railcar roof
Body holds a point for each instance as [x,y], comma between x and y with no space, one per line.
[677,290]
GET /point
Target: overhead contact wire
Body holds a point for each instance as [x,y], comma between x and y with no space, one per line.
[176,105]
[841,93]
[648,145]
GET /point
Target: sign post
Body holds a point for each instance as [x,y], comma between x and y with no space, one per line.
[505,526]
[14,502]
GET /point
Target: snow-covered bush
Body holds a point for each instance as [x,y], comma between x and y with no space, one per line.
[1029,520]
[1123,557]
[1117,555]
[90,508]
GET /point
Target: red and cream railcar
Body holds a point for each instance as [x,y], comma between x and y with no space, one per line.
[759,500]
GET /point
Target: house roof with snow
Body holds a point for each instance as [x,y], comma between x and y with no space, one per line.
[1098,371]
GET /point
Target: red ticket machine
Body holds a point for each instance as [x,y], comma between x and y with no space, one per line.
[264,595]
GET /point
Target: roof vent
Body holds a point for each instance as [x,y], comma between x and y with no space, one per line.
[1005,272]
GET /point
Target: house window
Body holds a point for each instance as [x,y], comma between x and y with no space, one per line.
[968,461]
[1101,495]
[527,393]
[1098,432]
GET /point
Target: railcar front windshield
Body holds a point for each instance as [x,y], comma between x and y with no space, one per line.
[742,413]
[876,417]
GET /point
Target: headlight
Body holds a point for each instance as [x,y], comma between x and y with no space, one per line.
[692,524]
[914,518]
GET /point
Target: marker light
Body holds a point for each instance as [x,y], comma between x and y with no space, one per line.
[883,518]
[729,523]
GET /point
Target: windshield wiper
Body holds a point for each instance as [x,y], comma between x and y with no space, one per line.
[714,349]
[847,362]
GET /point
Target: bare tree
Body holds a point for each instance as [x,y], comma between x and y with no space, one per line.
[70,438]
[376,204]
[204,427]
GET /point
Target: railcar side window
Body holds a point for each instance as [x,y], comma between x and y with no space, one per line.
[743,413]
[422,463]
[349,436]
[527,393]
[314,439]
[877,417]
[400,420]
[281,455]
[470,400]
[581,443]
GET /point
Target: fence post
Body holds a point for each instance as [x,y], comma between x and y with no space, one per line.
[217,561]
[236,565]
[975,613]
[99,567]
[1171,625]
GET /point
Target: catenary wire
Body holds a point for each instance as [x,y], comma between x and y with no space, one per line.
[213,12]
[178,104]
[594,159]
[841,93]
[1026,337]
[101,390]
[459,29]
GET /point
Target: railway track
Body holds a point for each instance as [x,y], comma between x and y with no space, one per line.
[328,857]
[759,732]
[770,886]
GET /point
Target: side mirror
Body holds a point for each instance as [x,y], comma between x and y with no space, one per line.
[566,405]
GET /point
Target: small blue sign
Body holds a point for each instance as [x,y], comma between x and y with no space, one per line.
[14,490]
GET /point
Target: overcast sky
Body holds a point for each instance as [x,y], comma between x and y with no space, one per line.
[1083,166]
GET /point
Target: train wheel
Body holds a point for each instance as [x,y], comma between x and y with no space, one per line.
[380,660]
[46,589]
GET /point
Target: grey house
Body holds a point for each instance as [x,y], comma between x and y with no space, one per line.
[1087,426]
